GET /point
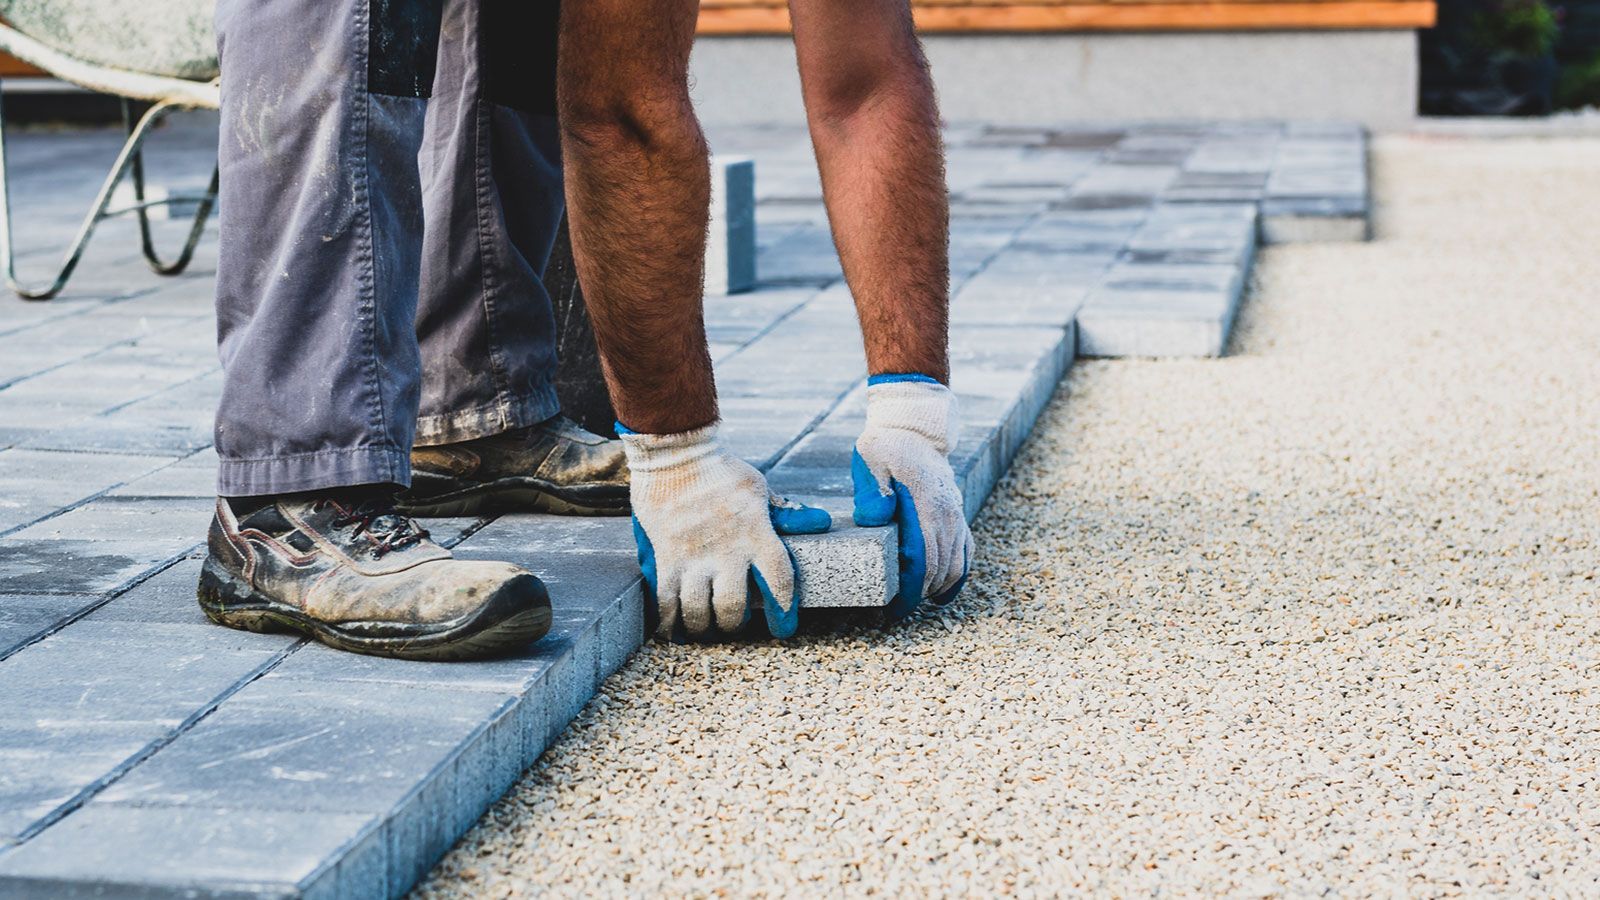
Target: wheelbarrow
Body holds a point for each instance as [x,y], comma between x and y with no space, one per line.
[157,59]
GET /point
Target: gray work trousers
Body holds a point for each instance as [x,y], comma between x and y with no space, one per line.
[390,190]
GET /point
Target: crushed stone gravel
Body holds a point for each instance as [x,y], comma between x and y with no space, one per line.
[1317,617]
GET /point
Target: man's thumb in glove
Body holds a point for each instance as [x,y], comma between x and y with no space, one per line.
[876,508]
[776,580]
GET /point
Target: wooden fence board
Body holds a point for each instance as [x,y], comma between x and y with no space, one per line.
[771,16]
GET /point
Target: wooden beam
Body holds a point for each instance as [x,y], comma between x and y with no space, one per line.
[1256,15]
[11,67]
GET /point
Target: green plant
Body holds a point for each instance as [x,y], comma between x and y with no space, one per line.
[1580,85]
[1523,28]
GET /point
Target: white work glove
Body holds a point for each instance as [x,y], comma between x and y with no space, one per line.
[901,471]
[707,529]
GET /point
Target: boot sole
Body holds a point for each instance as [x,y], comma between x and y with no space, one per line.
[501,626]
[508,495]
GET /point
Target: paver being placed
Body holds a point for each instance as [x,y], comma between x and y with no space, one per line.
[155,753]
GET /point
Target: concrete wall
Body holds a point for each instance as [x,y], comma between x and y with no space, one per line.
[1366,76]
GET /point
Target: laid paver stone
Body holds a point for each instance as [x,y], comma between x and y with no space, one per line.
[806,256]
[1154,303]
[167,597]
[1318,189]
[23,316]
[130,430]
[169,521]
[97,385]
[80,697]
[740,318]
[26,617]
[341,734]
[193,476]
[102,545]
[218,853]
[286,742]
[78,567]
[34,484]
[1294,220]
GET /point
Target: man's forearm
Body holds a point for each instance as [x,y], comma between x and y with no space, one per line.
[875,126]
[638,193]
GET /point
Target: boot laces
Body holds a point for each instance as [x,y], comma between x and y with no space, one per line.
[386,527]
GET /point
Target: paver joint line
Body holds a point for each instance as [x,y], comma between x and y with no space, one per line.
[86,500]
[95,787]
[91,607]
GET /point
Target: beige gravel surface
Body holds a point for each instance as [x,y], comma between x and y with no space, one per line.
[1316,617]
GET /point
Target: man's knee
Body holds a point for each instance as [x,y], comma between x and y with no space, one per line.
[623,80]
[896,80]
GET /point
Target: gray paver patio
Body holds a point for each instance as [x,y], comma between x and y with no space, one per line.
[144,750]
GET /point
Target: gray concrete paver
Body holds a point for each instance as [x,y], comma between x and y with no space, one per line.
[67,566]
[35,483]
[24,617]
[102,545]
[87,699]
[291,743]
[168,597]
[247,853]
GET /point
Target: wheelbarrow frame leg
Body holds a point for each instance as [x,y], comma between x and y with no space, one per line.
[138,129]
[141,208]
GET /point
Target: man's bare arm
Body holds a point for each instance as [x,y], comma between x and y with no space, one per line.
[875,125]
[638,193]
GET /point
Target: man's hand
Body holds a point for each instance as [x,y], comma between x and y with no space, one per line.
[707,529]
[901,469]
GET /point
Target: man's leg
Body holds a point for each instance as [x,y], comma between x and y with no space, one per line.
[639,188]
[638,191]
[317,277]
[489,436]
[322,112]
[492,200]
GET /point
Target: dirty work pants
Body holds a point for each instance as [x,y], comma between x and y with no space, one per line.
[390,191]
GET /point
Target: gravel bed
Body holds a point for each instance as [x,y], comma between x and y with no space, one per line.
[1318,617]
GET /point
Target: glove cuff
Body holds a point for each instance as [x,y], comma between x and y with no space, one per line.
[663,452]
[924,408]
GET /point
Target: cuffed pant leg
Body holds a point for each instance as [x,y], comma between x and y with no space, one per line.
[492,196]
[321,221]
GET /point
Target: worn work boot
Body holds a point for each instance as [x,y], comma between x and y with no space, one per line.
[553,467]
[361,577]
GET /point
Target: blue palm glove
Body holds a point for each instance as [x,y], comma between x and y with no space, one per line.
[901,472]
[707,531]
